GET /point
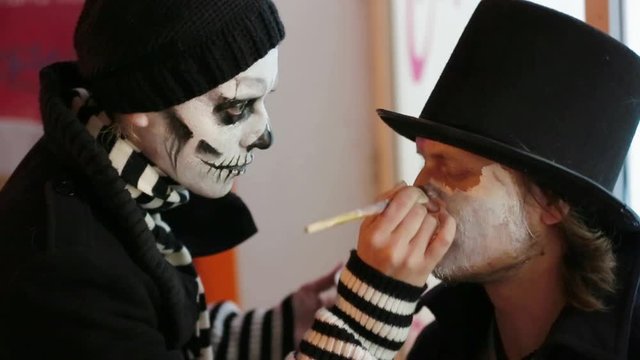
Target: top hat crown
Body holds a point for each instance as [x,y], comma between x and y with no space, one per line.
[543,93]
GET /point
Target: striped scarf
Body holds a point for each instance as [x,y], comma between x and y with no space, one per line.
[154,192]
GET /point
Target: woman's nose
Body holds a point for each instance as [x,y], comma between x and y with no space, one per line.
[263,142]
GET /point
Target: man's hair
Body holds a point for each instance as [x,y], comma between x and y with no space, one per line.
[588,264]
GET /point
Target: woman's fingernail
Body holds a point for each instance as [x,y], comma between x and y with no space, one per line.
[430,199]
[391,191]
[400,184]
[397,187]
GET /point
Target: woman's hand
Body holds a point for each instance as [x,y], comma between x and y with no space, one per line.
[406,241]
[311,296]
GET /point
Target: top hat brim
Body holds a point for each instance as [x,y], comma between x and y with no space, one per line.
[601,208]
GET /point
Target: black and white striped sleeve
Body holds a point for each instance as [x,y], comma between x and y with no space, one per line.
[370,320]
[258,334]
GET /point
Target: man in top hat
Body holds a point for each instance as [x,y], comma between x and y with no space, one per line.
[523,138]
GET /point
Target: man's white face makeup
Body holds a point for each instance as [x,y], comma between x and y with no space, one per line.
[492,233]
[207,141]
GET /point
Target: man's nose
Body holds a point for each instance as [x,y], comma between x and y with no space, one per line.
[263,142]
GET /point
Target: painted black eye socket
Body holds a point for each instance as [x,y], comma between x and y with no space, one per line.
[237,108]
[233,111]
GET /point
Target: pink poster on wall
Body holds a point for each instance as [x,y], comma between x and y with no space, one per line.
[33,33]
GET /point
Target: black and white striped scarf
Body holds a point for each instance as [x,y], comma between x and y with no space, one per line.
[154,192]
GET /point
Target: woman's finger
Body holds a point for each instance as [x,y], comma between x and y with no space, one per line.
[442,241]
[397,210]
[409,226]
[421,240]
[386,195]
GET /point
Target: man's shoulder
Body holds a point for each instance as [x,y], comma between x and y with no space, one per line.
[445,297]
[428,343]
[462,313]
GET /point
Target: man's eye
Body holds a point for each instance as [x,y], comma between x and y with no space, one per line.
[458,174]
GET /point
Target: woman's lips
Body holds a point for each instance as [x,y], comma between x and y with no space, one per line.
[236,169]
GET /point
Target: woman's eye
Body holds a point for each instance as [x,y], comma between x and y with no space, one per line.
[237,108]
[233,111]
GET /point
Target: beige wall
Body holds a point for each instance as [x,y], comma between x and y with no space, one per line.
[322,161]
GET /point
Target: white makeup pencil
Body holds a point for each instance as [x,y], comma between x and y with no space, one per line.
[362,212]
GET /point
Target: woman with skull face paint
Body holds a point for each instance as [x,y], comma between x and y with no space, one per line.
[523,137]
[144,135]
[103,216]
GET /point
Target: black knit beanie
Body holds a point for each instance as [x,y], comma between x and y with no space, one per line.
[149,55]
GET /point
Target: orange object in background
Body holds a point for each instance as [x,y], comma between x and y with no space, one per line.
[218,274]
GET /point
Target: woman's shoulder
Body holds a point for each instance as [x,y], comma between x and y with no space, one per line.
[47,212]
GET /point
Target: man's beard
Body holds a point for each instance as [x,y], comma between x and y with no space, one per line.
[492,235]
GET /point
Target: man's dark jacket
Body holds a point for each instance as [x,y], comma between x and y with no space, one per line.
[464,313]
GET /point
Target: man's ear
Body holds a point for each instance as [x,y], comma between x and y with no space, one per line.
[552,211]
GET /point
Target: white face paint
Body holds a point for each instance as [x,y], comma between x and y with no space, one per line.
[206,142]
[492,232]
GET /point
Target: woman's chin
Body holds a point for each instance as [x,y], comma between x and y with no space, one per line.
[212,191]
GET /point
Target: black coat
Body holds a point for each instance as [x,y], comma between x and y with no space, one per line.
[80,274]
[463,314]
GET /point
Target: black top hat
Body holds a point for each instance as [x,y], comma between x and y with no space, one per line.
[542,93]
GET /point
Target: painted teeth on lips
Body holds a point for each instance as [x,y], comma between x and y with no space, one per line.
[227,166]
[239,171]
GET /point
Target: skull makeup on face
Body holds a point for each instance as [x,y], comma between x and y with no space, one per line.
[206,142]
[492,231]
